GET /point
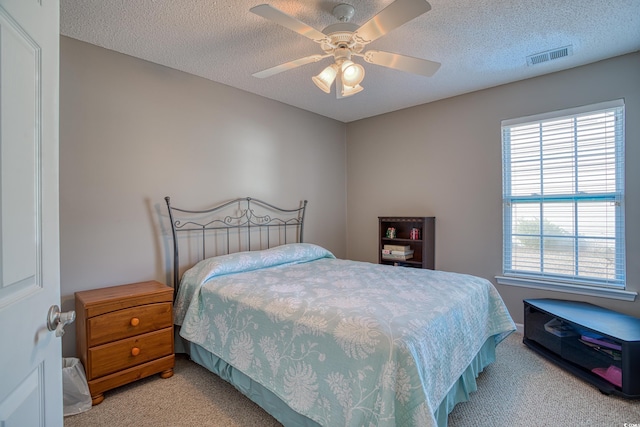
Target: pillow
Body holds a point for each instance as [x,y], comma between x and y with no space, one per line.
[199,274]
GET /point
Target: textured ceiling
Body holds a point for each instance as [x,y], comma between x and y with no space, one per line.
[480,44]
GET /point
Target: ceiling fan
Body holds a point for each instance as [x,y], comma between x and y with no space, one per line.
[345,40]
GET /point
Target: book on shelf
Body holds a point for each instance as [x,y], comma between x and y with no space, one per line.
[402,257]
[601,341]
[390,252]
[614,354]
[402,248]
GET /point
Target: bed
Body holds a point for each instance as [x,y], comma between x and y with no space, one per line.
[316,340]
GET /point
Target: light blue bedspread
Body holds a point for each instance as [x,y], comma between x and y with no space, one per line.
[344,343]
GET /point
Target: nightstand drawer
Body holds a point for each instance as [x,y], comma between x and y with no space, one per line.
[115,356]
[128,323]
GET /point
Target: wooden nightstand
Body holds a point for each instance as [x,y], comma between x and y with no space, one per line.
[124,333]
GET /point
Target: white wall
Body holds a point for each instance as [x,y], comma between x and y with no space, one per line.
[133,132]
[443,159]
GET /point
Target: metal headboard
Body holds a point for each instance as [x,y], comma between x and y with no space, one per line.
[250,215]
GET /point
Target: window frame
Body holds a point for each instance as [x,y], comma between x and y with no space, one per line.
[603,288]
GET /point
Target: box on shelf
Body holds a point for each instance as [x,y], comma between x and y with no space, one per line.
[559,329]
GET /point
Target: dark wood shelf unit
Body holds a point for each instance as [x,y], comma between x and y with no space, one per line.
[567,348]
[423,248]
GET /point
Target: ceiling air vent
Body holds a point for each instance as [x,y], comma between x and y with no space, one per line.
[550,55]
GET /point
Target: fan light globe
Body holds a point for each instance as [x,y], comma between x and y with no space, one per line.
[325,79]
[352,74]
[350,90]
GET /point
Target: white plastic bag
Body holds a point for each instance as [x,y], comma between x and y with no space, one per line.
[75,390]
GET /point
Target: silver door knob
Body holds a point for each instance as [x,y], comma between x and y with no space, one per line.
[57,320]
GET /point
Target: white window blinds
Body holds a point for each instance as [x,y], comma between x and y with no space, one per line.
[563,196]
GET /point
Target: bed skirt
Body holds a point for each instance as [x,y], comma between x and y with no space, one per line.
[459,392]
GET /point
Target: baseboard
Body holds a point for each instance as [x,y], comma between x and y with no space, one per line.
[520,328]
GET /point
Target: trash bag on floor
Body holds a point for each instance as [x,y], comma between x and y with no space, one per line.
[75,390]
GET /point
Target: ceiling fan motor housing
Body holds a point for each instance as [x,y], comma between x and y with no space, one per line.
[339,36]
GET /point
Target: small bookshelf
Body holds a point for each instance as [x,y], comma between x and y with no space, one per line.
[409,250]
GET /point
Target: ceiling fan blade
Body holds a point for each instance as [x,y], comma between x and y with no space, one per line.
[392,16]
[288,66]
[396,61]
[287,21]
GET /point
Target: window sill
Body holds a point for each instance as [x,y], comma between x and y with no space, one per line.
[593,291]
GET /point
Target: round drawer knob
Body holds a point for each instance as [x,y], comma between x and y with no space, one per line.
[135,321]
[135,351]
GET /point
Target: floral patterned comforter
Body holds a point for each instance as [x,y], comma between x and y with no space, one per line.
[344,343]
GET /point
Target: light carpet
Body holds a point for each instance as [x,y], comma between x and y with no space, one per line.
[519,389]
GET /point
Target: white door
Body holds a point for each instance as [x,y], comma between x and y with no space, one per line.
[30,355]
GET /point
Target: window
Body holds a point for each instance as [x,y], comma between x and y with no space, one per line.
[563,197]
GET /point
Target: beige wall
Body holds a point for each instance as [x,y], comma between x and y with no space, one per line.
[443,159]
[132,132]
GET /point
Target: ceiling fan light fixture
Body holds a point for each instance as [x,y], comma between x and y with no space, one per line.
[352,73]
[350,90]
[325,79]
[344,39]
